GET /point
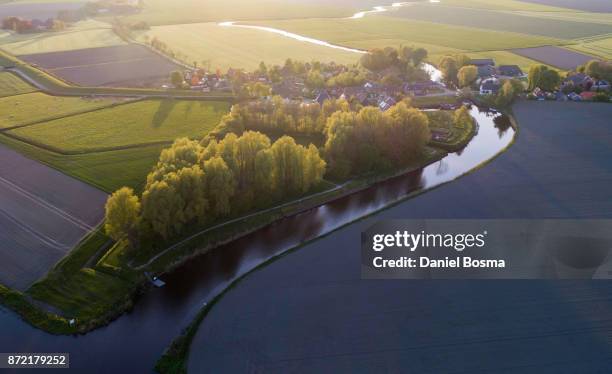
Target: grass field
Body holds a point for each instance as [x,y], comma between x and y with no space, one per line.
[237,47]
[513,5]
[81,291]
[370,31]
[597,47]
[140,123]
[37,106]
[12,85]
[106,170]
[501,21]
[84,34]
[163,12]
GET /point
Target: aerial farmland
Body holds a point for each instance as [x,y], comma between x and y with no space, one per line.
[125,65]
[173,173]
[43,215]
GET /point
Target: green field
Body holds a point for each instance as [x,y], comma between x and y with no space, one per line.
[107,171]
[597,47]
[84,34]
[514,5]
[12,85]
[140,123]
[372,31]
[37,106]
[235,47]
[501,21]
[163,12]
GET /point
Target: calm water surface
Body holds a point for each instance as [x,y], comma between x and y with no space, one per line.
[136,340]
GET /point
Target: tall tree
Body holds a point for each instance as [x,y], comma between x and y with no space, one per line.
[467,75]
[449,68]
[220,186]
[122,215]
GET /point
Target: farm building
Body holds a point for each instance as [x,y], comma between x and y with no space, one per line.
[322,97]
[490,86]
[486,71]
[579,80]
[510,71]
[600,85]
[386,103]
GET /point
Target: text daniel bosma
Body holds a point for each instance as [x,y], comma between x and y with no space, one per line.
[458,242]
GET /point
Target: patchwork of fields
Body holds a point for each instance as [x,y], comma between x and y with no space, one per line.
[34,107]
[501,21]
[597,47]
[555,56]
[84,34]
[40,10]
[136,124]
[235,47]
[43,214]
[590,5]
[130,65]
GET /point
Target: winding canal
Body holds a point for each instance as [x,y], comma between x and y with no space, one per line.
[136,340]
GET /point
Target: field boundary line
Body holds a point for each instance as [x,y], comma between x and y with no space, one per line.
[50,242]
[62,152]
[45,204]
[70,114]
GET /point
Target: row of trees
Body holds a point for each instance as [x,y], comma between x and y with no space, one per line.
[380,59]
[195,183]
[372,140]
[280,116]
[451,66]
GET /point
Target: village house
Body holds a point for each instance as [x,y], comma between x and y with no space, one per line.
[578,80]
[600,85]
[510,71]
[486,71]
[490,86]
[386,102]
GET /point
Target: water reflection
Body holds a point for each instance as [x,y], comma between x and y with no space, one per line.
[135,341]
[292,231]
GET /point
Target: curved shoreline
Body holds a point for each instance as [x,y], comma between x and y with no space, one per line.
[178,351]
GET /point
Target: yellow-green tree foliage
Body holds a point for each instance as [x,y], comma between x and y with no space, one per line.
[195,183]
[462,117]
[122,214]
[467,75]
[364,141]
[280,116]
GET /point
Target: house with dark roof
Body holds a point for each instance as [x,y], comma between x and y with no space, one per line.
[483,62]
[486,71]
[510,71]
[490,86]
[580,80]
[386,103]
[600,85]
[322,96]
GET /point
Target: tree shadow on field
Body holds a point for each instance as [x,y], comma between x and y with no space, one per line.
[163,111]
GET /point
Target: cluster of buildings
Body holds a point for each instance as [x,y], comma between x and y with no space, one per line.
[575,87]
[376,94]
[23,26]
[490,76]
[200,80]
